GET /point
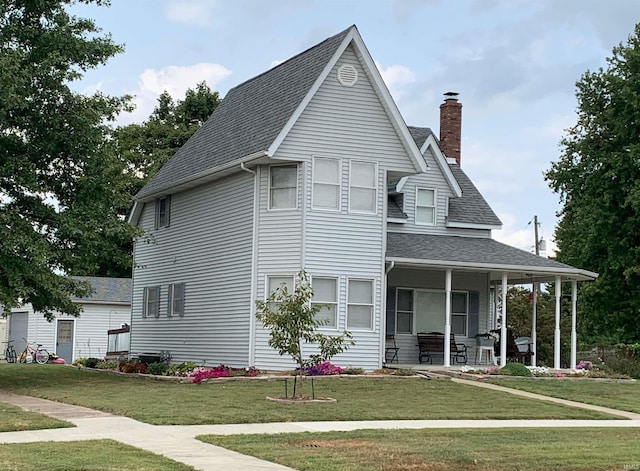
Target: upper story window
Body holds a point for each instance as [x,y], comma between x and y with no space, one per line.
[283,187]
[325,292]
[326,183]
[363,187]
[175,300]
[163,212]
[425,206]
[360,305]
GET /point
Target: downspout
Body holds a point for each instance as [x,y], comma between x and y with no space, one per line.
[254,267]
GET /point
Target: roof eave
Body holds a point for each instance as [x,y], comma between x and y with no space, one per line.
[471,225]
[570,273]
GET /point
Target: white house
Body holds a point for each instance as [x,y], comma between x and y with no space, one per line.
[108,307]
[310,165]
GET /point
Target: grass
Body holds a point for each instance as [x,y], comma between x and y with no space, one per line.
[429,449]
[15,419]
[164,403]
[104,455]
[617,395]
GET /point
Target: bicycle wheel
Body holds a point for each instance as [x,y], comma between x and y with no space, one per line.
[42,356]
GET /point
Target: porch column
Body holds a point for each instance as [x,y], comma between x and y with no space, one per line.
[447,319]
[503,323]
[574,335]
[534,325]
[556,340]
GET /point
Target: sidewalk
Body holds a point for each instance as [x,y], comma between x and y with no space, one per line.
[178,441]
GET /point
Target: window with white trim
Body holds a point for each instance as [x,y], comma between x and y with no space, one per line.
[325,292]
[151,301]
[175,300]
[404,311]
[278,281]
[283,186]
[459,312]
[360,305]
[163,212]
[425,206]
[326,183]
[363,187]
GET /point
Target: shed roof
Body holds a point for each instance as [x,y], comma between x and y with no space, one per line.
[107,290]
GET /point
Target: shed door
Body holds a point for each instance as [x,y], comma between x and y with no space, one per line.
[18,330]
[64,342]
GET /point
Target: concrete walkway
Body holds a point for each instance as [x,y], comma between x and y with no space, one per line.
[178,441]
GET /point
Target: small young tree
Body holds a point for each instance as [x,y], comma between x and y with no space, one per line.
[293,322]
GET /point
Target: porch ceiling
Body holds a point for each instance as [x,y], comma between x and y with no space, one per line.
[477,254]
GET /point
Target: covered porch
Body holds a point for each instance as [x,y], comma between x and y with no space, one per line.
[454,285]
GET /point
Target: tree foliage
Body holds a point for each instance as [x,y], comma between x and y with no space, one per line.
[59,181]
[598,180]
[147,146]
[292,319]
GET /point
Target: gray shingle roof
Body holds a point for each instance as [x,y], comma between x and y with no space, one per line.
[471,208]
[468,251]
[108,290]
[394,207]
[248,119]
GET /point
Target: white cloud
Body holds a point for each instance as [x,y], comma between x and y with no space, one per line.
[193,12]
[175,80]
[396,77]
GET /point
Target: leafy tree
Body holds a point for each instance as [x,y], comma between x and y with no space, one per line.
[147,146]
[59,182]
[292,320]
[598,180]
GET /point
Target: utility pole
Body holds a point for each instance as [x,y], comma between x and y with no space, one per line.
[535,229]
[534,309]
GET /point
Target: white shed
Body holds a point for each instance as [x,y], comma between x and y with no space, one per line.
[108,307]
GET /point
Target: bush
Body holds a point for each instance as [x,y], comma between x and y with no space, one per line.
[181,369]
[352,370]
[107,365]
[325,368]
[91,362]
[515,369]
[132,366]
[157,368]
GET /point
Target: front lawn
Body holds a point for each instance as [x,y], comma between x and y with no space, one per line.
[15,419]
[444,449]
[616,395]
[84,455]
[162,402]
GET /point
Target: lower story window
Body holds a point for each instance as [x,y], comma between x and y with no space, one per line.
[325,293]
[459,310]
[175,300]
[404,311]
[151,301]
[360,305]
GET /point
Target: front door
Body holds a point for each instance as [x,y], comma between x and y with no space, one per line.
[64,342]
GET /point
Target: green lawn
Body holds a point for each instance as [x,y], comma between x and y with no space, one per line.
[104,455]
[617,395]
[460,449]
[15,419]
[161,402]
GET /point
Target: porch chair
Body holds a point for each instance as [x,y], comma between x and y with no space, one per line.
[517,349]
[391,349]
[432,343]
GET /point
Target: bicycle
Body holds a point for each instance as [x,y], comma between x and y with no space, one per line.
[39,355]
[10,352]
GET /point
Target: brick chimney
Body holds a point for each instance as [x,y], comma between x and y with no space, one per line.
[451,126]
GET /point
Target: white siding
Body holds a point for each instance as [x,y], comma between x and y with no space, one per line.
[208,246]
[436,180]
[348,123]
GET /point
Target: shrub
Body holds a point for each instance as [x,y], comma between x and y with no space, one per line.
[92,362]
[80,362]
[107,365]
[181,369]
[132,366]
[157,368]
[515,369]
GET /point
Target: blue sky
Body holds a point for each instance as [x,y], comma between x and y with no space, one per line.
[514,63]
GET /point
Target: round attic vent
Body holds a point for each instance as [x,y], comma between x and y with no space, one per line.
[347,75]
